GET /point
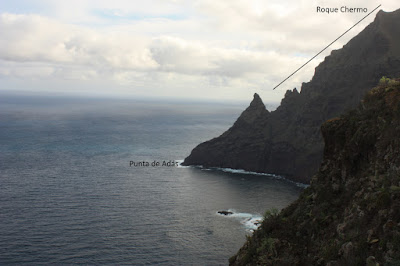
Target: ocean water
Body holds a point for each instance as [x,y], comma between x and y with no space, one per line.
[68,194]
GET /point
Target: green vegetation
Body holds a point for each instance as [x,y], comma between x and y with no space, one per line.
[267,246]
[388,82]
[350,215]
[271,213]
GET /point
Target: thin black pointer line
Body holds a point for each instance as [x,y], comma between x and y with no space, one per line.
[326,47]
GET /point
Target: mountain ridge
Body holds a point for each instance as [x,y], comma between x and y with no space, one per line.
[287,141]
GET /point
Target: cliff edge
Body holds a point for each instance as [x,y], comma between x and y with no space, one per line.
[241,146]
[287,141]
[350,214]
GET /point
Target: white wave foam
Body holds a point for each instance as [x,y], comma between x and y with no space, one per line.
[179,164]
[240,171]
[253,223]
[250,221]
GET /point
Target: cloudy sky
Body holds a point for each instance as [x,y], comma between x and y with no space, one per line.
[202,49]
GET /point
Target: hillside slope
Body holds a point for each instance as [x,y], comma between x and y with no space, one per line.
[350,214]
[287,141]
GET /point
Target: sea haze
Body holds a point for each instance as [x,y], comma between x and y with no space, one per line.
[68,194]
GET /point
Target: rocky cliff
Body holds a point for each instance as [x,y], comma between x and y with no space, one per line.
[287,141]
[350,214]
[241,146]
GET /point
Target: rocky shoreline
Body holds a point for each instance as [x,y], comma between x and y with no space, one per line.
[350,214]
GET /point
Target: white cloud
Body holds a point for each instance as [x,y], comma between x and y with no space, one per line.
[187,48]
[31,38]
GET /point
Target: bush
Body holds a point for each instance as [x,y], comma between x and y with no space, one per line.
[384,80]
[271,213]
[268,246]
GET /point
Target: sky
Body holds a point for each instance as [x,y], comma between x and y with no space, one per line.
[198,49]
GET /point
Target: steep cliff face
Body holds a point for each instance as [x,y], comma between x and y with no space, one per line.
[350,214]
[241,146]
[287,141]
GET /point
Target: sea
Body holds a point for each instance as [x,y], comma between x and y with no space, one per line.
[98,181]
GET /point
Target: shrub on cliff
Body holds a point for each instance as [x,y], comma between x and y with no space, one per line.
[350,214]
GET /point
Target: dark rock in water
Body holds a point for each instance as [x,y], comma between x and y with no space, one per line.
[350,214]
[225,212]
[257,222]
[288,141]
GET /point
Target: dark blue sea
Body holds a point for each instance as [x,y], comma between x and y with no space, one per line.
[68,194]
